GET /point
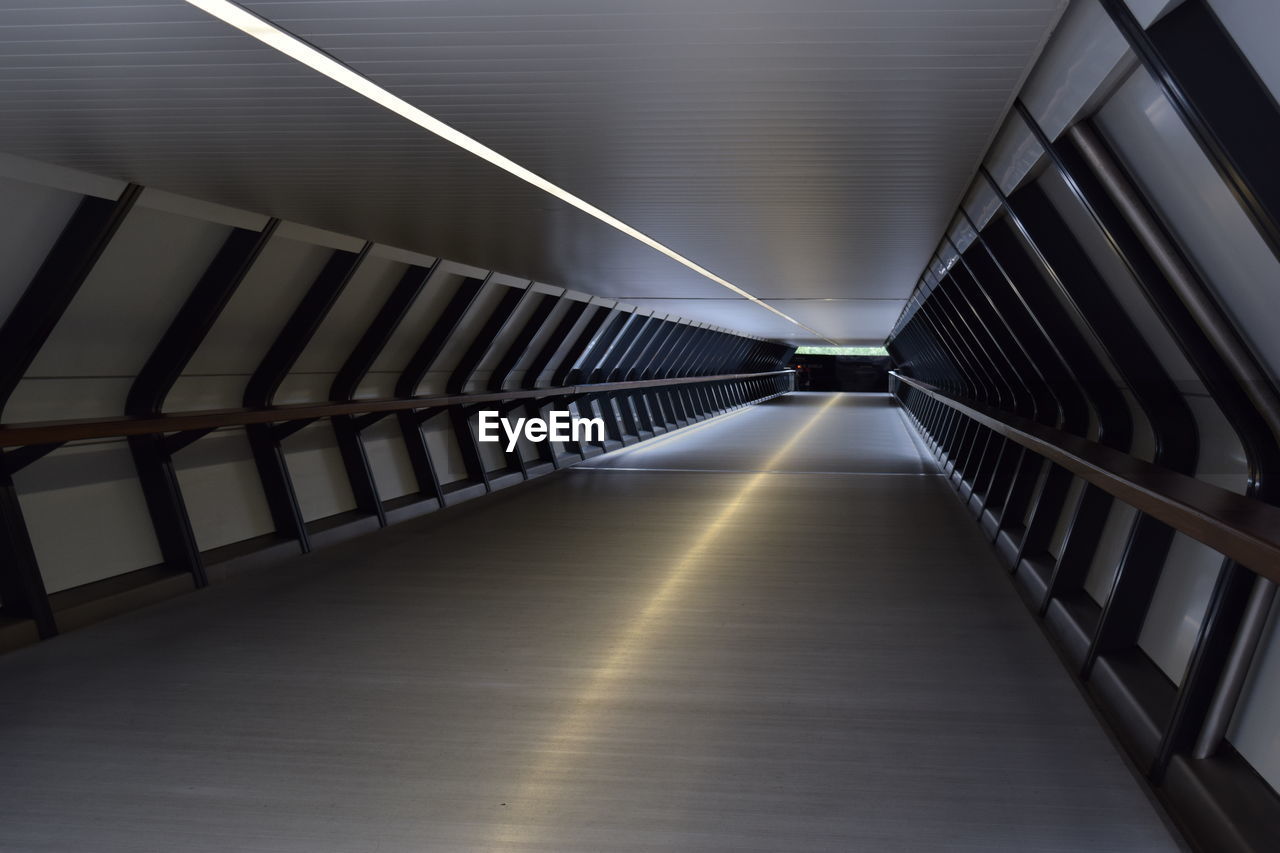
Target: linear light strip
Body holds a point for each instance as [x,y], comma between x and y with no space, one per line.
[297,49]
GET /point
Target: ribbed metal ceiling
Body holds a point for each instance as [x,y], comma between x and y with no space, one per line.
[802,149]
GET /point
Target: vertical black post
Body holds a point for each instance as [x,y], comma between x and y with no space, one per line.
[436,339]
[302,326]
[412,375]
[592,325]
[73,256]
[598,349]
[375,338]
[55,284]
[651,350]
[151,456]
[537,318]
[1174,427]
[195,318]
[1205,700]
[552,344]
[424,470]
[479,348]
[460,419]
[635,410]
[546,452]
[268,453]
[22,592]
[352,373]
[1114,418]
[617,355]
[347,381]
[486,338]
[1227,108]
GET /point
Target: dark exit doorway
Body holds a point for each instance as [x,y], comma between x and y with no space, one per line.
[841,372]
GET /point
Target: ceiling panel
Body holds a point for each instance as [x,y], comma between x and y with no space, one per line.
[800,148]
[852,321]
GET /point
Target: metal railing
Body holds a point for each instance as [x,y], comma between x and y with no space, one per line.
[1240,527]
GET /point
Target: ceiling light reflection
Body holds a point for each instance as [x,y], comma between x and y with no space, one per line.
[316,59]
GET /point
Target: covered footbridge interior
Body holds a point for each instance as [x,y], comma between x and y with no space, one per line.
[272,579]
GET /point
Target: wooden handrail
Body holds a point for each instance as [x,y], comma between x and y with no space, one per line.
[1243,528]
[60,432]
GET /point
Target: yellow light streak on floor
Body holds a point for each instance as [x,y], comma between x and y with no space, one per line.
[537,789]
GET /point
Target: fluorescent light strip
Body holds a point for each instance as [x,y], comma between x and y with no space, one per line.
[295,48]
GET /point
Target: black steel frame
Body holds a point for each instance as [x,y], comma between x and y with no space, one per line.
[1005,326]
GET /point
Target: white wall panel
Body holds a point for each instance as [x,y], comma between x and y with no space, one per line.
[197,391]
[31,218]
[1120,281]
[86,515]
[408,336]
[528,451]
[443,447]
[319,477]
[117,317]
[221,489]
[1222,460]
[351,315]
[389,459]
[1069,309]
[1177,610]
[491,451]
[1189,571]
[519,319]
[539,341]
[544,379]
[1106,559]
[303,388]
[54,398]
[612,310]
[249,324]
[464,333]
[1142,126]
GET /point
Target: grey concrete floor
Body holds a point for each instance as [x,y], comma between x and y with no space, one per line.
[773,632]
